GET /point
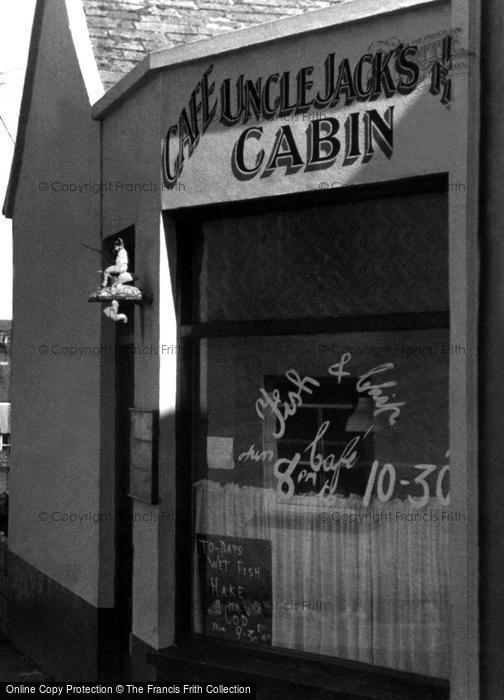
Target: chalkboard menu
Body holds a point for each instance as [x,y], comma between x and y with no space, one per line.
[235,586]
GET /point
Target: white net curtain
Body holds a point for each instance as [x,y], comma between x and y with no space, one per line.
[376,584]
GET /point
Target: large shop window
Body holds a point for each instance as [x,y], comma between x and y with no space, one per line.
[319,438]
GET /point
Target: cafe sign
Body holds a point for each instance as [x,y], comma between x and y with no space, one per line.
[287,97]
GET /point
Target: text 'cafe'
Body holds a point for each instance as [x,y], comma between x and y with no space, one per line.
[382,75]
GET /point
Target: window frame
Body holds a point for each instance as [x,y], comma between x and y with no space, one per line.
[187,227]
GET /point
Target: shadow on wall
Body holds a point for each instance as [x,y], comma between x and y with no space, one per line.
[4,513]
[3,582]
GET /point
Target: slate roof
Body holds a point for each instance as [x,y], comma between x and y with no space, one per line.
[123,31]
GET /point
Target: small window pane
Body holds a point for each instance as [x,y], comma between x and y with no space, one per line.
[380,256]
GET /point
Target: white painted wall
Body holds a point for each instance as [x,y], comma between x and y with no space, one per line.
[429,138]
[132,198]
[132,138]
[56,396]
[422,125]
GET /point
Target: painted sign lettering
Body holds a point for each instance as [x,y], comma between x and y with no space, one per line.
[235,587]
[382,74]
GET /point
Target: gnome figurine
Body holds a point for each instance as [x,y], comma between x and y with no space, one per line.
[117,284]
[118,272]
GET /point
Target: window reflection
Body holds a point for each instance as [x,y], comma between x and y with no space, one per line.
[321,470]
[360,531]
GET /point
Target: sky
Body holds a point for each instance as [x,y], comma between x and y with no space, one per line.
[15,26]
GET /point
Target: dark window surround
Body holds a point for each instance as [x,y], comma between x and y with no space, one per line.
[198,649]
[6,442]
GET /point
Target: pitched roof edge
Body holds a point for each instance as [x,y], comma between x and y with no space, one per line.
[239,39]
[17,158]
[89,69]
[86,58]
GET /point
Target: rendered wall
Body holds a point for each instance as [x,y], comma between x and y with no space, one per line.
[420,121]
[429,138]
[132,198]
[55,492]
